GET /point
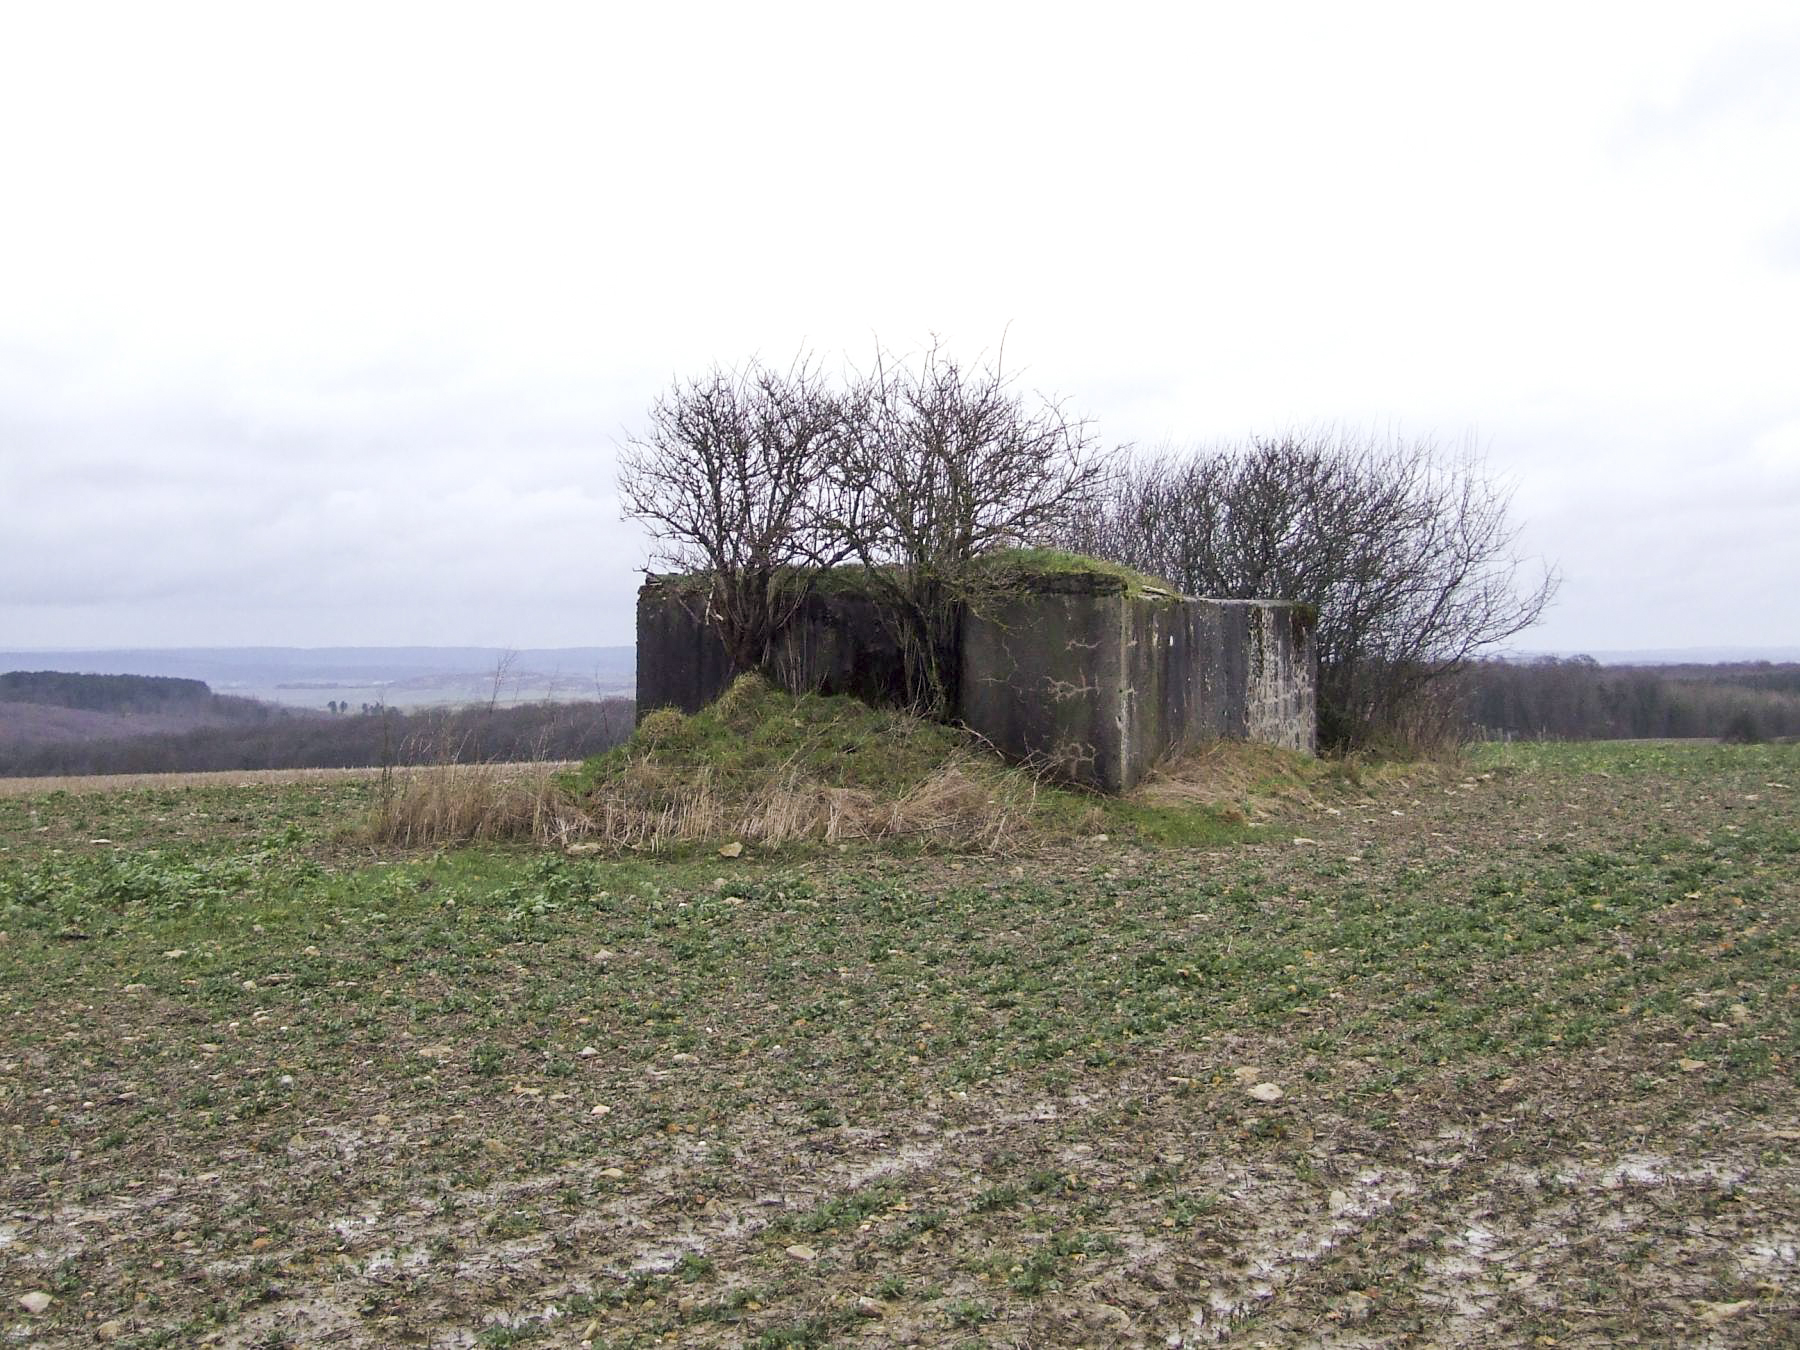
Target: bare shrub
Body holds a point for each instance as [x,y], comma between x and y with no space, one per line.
[1406,550]
[754,480]
[727,479]
[941,462]
[1742,729]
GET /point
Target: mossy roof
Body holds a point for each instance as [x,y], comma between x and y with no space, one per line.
[1050,569]
[1025,569]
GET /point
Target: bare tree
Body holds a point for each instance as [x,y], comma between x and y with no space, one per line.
[503,667]
[1407,551]
[940,463]
[728,478]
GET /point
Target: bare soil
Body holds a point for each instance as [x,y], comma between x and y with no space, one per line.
[1495,1055]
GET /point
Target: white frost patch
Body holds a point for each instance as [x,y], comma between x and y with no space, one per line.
[1038,1113]
[1592,1198]
[382,1263]
[300,1321]
[1647,1169]
[338,1141]
[1458,1275]
[1271,1259]
[903,1161]
[1766,1256]
[350,1227]
[1641,1170]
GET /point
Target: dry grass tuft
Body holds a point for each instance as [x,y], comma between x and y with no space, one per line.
[648,807]
[963,804]
[1237,777]
[764,767]
[468,803]
[1248,781]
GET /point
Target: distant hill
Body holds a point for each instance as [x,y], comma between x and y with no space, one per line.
[103,743]
[65,722]
[103,693]
[39,707]
[312,677]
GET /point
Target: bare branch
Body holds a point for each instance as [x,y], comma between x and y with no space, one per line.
[1407,551]
[729,479]
[941,463]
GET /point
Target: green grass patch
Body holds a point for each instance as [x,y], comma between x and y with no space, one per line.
[768,766]
[972,1084]
[754,734]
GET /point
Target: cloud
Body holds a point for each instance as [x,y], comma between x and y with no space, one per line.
[1748,79]
[316,333]
[1782,244]
[332,503]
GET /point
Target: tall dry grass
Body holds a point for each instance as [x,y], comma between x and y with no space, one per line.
[474,803]
[649,808]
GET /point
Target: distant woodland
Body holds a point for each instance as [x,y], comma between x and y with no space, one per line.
[1576,698]
[54,723]
[155,694]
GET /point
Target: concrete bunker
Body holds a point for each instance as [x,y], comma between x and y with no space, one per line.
[1085,672]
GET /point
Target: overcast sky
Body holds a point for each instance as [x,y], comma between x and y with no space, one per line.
[321,324]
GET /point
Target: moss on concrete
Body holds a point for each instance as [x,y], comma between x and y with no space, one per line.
[1051,569]
[1023,569]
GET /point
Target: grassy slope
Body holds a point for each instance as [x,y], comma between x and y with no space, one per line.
[1531,1023]
[781,770]
[755,733]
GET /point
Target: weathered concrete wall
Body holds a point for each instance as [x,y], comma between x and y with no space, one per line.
[1281,686]
[1073,673]
[680,661]
[1099,687]
[1042,679]
[836,645]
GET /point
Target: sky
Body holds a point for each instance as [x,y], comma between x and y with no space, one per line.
[324,324]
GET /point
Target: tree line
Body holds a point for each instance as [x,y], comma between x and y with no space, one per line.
[128,694]
[1576,698]
[535,731]
[754,479]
